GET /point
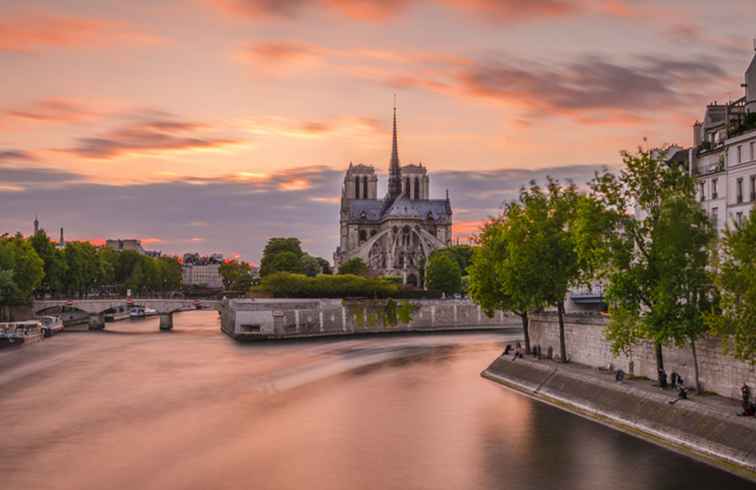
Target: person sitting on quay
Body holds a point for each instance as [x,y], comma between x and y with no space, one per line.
[749,408]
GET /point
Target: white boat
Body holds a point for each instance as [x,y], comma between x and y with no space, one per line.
[50,325]
[141,312]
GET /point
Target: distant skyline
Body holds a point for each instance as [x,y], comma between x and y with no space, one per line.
[212,125]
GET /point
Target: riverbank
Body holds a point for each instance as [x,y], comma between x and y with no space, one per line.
[705,427]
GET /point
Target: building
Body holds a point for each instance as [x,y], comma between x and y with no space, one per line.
[395,234]
[131,245]
[202,271]
[723,156]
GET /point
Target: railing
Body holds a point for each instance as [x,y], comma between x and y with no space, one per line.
[593,292]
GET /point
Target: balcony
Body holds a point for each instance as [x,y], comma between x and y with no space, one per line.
[588,295]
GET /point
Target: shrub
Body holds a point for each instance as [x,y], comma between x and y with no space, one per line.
[287,285]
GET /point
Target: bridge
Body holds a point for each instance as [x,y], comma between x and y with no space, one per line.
[98,308]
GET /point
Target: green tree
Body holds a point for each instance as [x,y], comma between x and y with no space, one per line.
[736,278]
[82,267]
[170,272]
[462,254]
[8,287]
[18,256]
[54,263]
[638,272]
[237,275]
[284,262]
[503,278]
[354,266]
[310,265]
[545,239]
[325,266]
[443,274]
[277,246]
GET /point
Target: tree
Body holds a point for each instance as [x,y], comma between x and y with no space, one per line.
[277,246]
[443,274]
[504,280]
[685,291]
[237,275]
[53,260]
[634,248]
[545,239]
[355,266]
[462,254]
[310,265]
[325,266]
[284,262]
[736,278]
[18,257]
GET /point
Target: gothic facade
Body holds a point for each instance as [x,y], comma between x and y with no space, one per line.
[395,234]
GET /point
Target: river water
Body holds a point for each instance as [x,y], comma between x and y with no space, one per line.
[133,408]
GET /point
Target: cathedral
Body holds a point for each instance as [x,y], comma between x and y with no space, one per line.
[395,234]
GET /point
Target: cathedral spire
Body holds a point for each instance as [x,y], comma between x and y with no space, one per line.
[395,172]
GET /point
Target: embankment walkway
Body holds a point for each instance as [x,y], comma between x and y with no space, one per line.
[705,426]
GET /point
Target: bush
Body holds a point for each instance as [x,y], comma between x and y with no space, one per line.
[286,285]
[443,274]
[354,266]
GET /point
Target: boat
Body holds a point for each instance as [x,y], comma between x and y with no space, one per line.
[142,312]
[20,332]
[50,325]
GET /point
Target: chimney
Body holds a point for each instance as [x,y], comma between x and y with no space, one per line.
[62,242]
[697,136]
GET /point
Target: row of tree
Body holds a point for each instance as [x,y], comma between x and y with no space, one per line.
[35,265]
[642,233]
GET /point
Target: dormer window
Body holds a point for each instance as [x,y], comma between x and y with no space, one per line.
[363,215]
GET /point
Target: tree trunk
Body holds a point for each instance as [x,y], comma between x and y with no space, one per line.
[562,346]
[659,356]
[526,334]
[695,366]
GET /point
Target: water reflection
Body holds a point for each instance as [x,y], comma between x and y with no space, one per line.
[136,408]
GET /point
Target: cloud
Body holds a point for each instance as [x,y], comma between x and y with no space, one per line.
[11,155]
[313,129]
[52,110]
[153,133]
[239,215]
[500,11]
[22,176]
[28,32]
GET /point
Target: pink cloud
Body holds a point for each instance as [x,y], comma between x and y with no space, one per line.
[27,32]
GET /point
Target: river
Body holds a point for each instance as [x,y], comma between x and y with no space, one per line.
[134,408]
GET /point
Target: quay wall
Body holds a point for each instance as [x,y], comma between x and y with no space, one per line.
[293,318]
[692,428]
[584,337]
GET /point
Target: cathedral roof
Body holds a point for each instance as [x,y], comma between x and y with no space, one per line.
[438,209]
[366,209]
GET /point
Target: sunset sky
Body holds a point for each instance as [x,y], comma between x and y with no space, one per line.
[212,125]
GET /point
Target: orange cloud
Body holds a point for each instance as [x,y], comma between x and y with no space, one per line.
[150,135]
[515,10]
[278,126]
[26,32]
[53,110]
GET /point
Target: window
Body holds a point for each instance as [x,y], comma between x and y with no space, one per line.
[739,191]
[363,236]
[357,187]
[365,187]
[740,154]
[753,187]
[714,217]
[714,192]
[417,187]
[701,192]
[753,150]
[739,218]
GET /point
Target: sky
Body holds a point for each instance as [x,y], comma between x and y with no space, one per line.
[213,125]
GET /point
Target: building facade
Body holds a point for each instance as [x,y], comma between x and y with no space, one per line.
[202,271]
[396,234]
[723,156]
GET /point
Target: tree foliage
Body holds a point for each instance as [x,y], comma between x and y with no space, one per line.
[736,278]
[354,266]
[22,270]
[236,275]
[443,274]
[291,250]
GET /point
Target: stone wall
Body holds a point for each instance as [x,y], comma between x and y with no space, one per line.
[585,341]
[288,318]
